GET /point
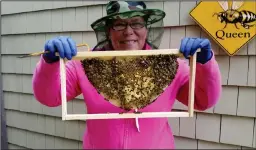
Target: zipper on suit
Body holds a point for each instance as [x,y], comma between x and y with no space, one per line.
[126,133]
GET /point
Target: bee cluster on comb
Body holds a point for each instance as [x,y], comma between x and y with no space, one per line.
[131,82]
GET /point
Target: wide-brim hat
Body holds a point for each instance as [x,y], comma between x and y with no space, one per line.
[127,9]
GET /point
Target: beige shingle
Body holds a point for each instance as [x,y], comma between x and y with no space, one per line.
[215,145]
[247,102]
[206,123]
[238,70]
[185,143]
[237,130]
[228,101]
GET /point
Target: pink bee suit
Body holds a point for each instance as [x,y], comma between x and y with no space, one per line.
[153,133]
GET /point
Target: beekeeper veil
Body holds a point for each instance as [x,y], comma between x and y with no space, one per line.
[124,10]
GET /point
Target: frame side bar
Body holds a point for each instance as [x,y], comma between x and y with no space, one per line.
[63,89]
[191,97]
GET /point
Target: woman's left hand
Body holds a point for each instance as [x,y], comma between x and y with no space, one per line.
[190,45]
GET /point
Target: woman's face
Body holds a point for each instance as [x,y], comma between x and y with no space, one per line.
[128,34]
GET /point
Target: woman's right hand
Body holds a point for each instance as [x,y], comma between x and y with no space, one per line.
[64,45]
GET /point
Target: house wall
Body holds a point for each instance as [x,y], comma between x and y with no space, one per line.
[25,28]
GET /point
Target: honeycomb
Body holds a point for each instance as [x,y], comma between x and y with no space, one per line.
[131,82]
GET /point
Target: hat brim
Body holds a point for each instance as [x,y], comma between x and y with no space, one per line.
[154,14]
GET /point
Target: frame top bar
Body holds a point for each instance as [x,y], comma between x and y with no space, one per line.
[126,53]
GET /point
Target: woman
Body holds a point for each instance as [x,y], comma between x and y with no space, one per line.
[130,30]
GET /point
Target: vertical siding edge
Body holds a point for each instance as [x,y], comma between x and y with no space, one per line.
[4,144]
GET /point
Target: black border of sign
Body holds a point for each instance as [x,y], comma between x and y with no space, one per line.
[214,37]
[4,141]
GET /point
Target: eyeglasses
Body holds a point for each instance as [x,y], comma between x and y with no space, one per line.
[122,26]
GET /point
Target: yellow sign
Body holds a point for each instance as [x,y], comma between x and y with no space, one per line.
[232,24]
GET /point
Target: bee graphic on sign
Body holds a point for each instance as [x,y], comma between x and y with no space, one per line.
[233,16]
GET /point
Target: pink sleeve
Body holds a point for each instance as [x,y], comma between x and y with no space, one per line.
[46,83]
[207,84]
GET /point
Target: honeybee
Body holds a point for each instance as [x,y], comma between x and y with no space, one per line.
[233,16]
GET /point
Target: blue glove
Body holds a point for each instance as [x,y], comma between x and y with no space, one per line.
[190,45]
[64,45]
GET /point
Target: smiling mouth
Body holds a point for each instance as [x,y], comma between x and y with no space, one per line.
[128,42]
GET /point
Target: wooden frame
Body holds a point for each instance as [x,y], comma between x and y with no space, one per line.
[110,54]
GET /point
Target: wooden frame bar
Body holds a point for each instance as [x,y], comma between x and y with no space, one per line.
[110,54]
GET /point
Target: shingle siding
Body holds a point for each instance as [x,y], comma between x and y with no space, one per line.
[30,125]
